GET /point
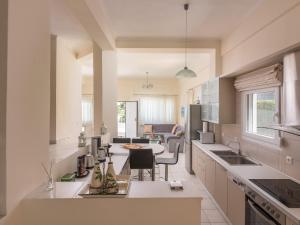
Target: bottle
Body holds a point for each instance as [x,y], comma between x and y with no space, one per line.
[111,185]
[97,177]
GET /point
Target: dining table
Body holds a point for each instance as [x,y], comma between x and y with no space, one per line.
[119,149]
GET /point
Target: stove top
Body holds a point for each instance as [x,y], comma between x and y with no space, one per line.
[284,190]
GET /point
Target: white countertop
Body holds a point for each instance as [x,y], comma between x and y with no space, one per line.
[161,189]
[246,172]
[138,189]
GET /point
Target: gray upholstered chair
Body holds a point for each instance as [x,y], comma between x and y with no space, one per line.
[122,140]
[142,159]
[169,161]
[140,140]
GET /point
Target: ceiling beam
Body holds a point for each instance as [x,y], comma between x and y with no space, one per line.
[91,16]
[166,43]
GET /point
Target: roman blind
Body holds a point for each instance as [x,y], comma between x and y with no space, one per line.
[262,78]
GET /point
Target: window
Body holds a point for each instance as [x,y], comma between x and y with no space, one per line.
[157,109]
[87,109]
[261,109]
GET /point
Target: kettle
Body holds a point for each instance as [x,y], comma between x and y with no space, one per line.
[89,159]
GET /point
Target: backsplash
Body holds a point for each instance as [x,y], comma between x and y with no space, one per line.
[272,156]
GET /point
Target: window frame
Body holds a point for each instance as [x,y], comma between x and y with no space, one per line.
[255,137]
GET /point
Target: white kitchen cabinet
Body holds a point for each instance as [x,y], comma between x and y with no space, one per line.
[218,101]
[210,169]
[221,187]
[235,204]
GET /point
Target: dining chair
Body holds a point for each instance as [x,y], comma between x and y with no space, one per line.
[122,140]
[142,159]
[140,140]
[169,161]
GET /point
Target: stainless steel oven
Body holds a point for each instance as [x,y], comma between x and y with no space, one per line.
[260,212]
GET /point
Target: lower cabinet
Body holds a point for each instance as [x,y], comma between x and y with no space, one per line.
[195,160]
[227,194]
[235,204]
[201,166]
[221,187]
[290,222]
[210,170]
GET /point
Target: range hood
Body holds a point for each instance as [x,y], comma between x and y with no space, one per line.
[291,95]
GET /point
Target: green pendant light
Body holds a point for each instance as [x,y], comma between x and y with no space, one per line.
[186,72]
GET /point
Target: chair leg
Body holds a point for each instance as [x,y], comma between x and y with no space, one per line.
[166,172]
[153,173]
[141,175]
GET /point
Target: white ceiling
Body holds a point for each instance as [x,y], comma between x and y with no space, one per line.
[160,63]
[165,18]
[64,24]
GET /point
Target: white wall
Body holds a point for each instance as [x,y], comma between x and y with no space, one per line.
[109,91]
[28,97]
[68,93]
[128,88]
[189,90]
[3,84]
[271,29]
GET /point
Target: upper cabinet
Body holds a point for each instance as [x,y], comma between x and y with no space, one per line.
[218,101]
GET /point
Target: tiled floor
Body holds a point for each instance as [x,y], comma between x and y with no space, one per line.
[210,214]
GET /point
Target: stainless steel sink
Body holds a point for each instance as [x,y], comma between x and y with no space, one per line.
[238,160]
[233,158]
[225,153]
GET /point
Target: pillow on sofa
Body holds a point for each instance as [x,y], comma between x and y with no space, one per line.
[179,133]
[147,129]
[174,129]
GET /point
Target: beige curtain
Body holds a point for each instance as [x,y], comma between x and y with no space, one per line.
[262,78]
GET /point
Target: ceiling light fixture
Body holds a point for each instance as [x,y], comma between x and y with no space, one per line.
[186,72]
[147,85]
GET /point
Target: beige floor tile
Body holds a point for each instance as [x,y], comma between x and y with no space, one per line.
[208,204]
[204,218]
[214,216]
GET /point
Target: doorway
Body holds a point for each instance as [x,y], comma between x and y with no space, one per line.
[127,118]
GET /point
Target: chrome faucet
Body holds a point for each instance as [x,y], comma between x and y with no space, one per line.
[237,146]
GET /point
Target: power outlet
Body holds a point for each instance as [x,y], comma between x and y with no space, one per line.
[289,160]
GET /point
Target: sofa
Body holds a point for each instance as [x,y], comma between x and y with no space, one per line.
[168,138]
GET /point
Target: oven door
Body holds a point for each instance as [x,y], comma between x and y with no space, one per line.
[257,216]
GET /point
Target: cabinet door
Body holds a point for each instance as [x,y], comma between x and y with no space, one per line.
[290,222]
[236,204]
[221,187]
[205,102]
[213,87]
[195,159]
[214,113]
[210,170]
[201,166]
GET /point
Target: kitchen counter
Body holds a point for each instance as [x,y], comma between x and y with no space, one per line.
[246,172]
[147,203]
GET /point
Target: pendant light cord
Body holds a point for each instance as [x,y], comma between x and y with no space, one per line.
[186,30]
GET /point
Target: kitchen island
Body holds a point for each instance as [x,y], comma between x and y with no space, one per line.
[147,203]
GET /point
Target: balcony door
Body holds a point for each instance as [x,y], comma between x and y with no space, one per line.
[127,118]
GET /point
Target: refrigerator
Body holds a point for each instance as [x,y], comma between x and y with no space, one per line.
[192,124]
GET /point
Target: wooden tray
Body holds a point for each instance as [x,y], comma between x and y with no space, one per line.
[132,146]
[124,185]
